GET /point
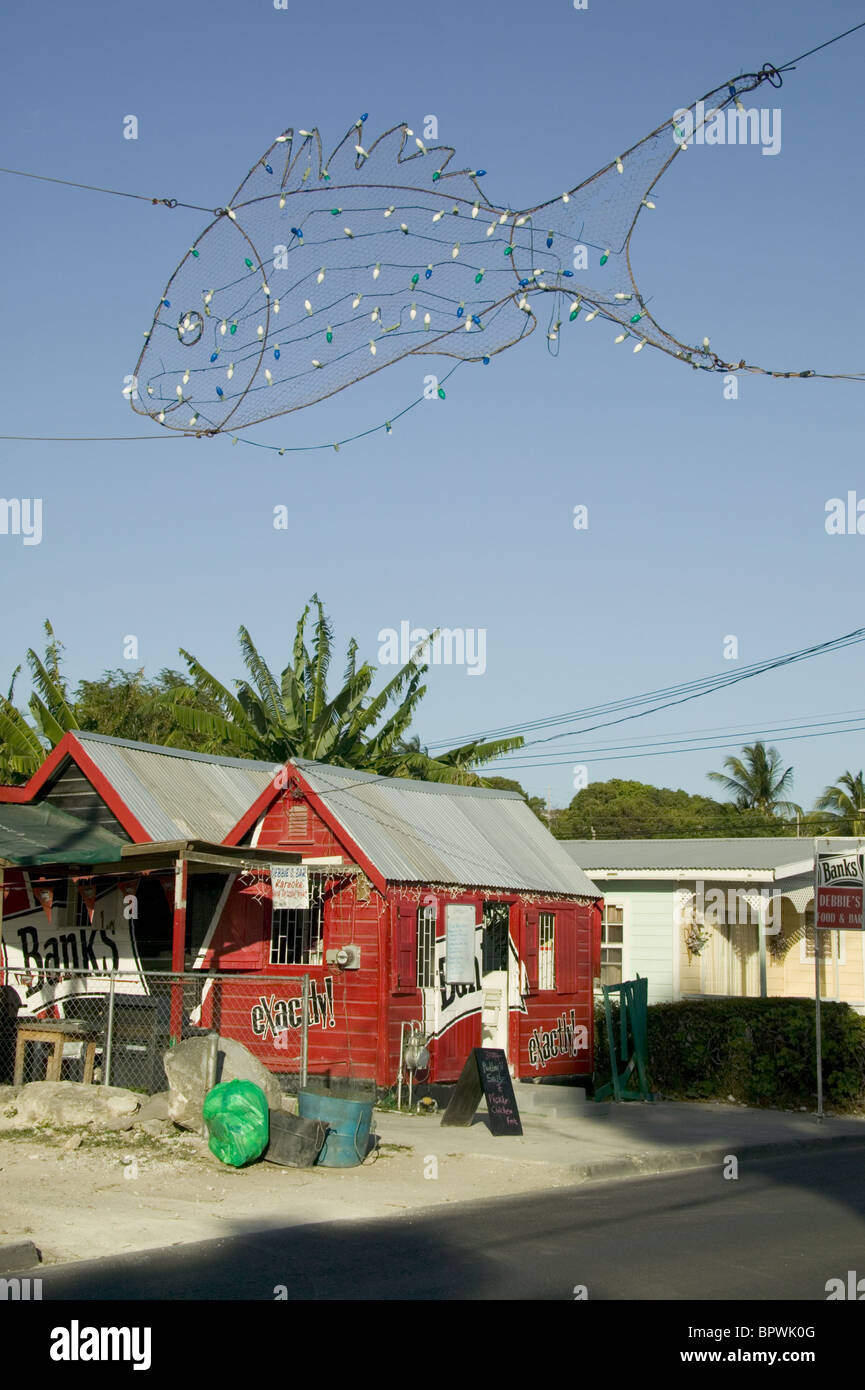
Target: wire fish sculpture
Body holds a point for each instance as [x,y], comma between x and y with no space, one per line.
[322,271]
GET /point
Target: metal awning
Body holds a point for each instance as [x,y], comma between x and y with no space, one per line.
[202,856]
[42,834]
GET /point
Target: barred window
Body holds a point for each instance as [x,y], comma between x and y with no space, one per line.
[296,936]
[426,945]
[547,950]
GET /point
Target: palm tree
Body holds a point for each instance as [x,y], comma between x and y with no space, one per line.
[756,782]
[845,801]
[275,719]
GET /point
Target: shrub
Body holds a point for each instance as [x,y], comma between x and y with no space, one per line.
[760,1051]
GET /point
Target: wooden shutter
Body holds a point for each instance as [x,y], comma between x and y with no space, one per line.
[567,964]
[244,931]
[596,920]
[405,948]
[530,949]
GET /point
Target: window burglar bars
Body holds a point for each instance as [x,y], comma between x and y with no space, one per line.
[296,936]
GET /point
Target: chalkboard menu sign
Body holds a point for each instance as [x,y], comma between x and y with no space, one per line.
[485,1074]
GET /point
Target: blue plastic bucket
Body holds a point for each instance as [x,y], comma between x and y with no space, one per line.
[348,1122]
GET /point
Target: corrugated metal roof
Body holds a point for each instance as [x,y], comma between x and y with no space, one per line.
[769,852]
[430,832]
[414,832]
[43,834]
[174,793]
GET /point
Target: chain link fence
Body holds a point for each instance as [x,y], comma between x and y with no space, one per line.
[115,1027]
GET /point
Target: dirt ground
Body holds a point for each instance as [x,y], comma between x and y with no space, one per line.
[129,1191]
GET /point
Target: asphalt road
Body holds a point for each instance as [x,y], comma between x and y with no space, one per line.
[779,1231]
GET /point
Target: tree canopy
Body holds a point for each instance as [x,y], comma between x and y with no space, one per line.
[631,810]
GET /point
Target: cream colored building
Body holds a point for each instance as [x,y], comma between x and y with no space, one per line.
[708,918]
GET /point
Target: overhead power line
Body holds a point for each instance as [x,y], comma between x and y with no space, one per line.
[664,698]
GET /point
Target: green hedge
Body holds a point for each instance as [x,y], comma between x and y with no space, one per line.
[760,1051]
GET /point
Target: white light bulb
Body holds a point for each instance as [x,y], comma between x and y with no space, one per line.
[230,372]
[641,345]
[372,347]
[320,276]
[267,376]
[307,306]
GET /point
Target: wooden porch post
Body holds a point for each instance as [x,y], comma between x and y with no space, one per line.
[178,946]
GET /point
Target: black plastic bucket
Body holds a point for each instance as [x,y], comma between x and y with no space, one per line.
[295,1142]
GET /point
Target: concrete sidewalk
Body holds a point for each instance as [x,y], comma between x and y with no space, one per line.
[609,1140]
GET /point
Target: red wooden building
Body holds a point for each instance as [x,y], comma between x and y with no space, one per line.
[451,908]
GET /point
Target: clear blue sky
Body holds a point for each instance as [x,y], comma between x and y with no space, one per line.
[706,516]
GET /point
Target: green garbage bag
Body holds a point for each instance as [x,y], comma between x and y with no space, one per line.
[238,1123]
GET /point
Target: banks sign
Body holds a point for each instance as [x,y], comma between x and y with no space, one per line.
[838,882]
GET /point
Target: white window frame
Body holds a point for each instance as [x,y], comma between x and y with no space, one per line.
[622,907]
[426,945]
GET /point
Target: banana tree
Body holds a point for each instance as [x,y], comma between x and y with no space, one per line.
[273,719]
